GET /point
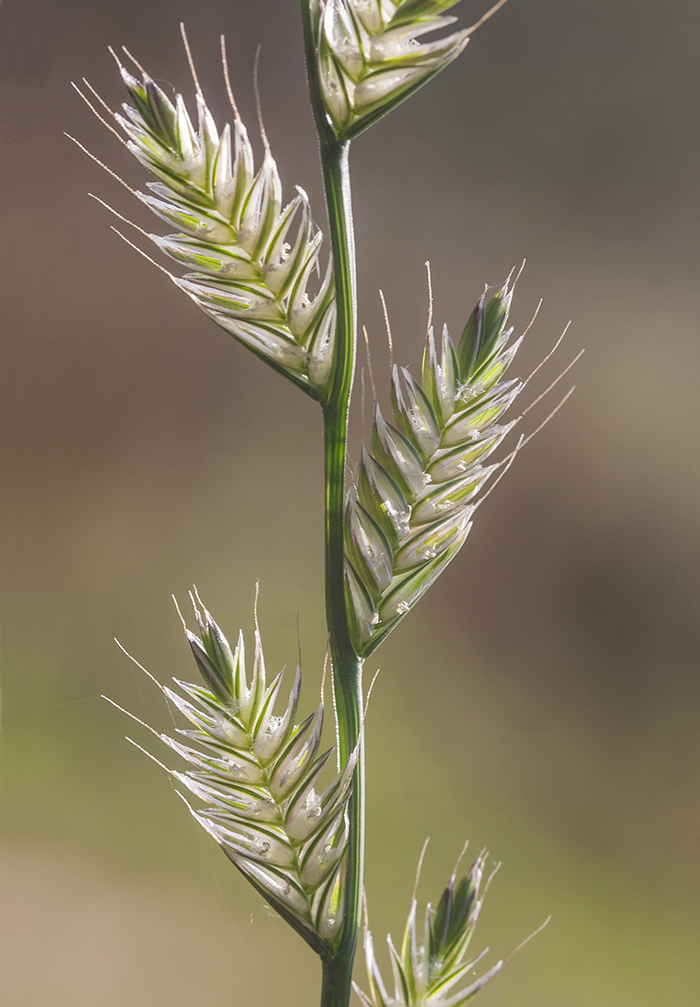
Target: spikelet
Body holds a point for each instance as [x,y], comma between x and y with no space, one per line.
[257,773]
[369,56]
[425,972]
[416,490]
[253,257]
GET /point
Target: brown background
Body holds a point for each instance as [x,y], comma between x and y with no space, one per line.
[545,697]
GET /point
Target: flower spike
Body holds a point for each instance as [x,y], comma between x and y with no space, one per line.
[253,258]
[426,971]
[258,773]
[416,490]
[369,56]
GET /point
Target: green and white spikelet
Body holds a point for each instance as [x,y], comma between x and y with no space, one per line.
[254,257]
[426,972]
[369,56]
[410,508]
[257,773]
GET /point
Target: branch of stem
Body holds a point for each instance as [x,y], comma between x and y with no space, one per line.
[347,666]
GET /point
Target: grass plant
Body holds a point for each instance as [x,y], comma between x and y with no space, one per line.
[256,270]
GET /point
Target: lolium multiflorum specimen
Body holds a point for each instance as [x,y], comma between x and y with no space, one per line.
[263,789]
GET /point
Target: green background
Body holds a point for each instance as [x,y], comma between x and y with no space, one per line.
[544,698]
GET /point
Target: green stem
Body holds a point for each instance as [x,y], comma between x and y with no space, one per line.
[347,666]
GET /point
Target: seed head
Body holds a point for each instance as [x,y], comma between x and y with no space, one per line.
[370,58]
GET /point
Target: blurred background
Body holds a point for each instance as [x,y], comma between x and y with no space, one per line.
[544,699]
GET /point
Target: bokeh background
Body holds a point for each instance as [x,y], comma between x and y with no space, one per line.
[544,699]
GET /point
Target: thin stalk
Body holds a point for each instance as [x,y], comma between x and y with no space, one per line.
[347,666]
